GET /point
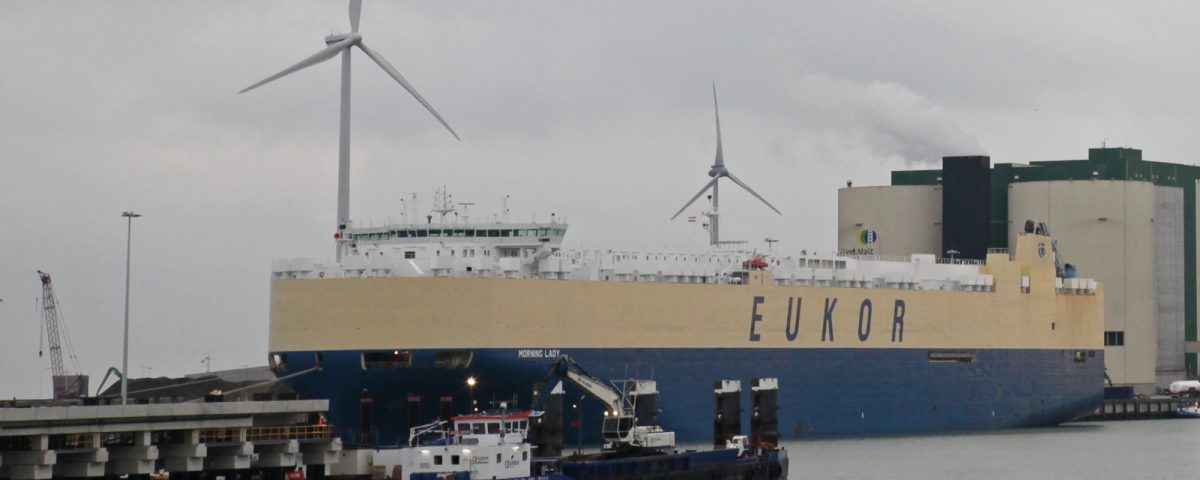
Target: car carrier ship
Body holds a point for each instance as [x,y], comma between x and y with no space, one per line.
[428,319]
[429,316]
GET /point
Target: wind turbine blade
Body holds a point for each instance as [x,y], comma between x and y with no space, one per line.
[321,56]
[387,67]
[717,110]
[693,200]
[355,12]
[752,192]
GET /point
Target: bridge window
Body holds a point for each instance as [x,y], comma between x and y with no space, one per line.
[392,360]
[493,427]
[422,233]
[951,356]
[1114,339]
[469,233]
[453,359]
[506,233]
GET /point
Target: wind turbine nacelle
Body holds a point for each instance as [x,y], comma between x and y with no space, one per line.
[337,37]
[715,171]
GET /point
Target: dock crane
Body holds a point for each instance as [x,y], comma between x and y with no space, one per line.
[66,385]
[629,412]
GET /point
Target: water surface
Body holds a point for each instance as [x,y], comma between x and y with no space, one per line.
[1125,450]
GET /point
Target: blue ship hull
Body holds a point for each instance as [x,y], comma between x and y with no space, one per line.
[822,392]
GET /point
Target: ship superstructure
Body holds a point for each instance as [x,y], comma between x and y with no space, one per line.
[496,248]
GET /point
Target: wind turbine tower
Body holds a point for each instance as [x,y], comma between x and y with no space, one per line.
[341,43]
[718,171]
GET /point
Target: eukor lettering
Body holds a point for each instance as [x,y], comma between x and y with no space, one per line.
[755,317]
[828,322]
[793,328]
[864,334]
[898,321]
[791,323]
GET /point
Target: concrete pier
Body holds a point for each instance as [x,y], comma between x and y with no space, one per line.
[136,459]
[81,462]
[185,456]
[229,456]
[277,453]
[182,438]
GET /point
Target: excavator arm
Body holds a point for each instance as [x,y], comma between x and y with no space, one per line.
[620,428]
[565,367]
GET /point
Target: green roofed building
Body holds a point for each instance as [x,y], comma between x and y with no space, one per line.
[1125,221]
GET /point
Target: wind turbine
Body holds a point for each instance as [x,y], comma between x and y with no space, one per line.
[717,172]
[341,43]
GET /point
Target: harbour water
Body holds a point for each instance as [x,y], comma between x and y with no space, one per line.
[1121,450]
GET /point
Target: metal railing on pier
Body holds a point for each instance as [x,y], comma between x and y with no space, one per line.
[1137,409]
[261,434]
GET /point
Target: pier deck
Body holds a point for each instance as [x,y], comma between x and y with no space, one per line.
[180,438]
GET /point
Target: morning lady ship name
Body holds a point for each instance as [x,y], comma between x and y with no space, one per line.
[866,312]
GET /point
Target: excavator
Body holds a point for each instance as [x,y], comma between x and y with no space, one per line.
[630,412]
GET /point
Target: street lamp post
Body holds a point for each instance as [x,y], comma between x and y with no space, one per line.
[125,351]
[579,421]
[471,387]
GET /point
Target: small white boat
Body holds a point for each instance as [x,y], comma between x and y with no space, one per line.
[476,446]
[1191,410]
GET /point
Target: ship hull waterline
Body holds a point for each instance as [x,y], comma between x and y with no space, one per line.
[823,392]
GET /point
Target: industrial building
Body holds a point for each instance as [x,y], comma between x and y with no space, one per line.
[1127,222]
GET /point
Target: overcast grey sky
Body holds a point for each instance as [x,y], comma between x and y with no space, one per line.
[598,111]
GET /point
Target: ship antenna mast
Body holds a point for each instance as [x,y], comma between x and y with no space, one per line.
[466,211]
[504,208]
[770,245]
[442,204]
